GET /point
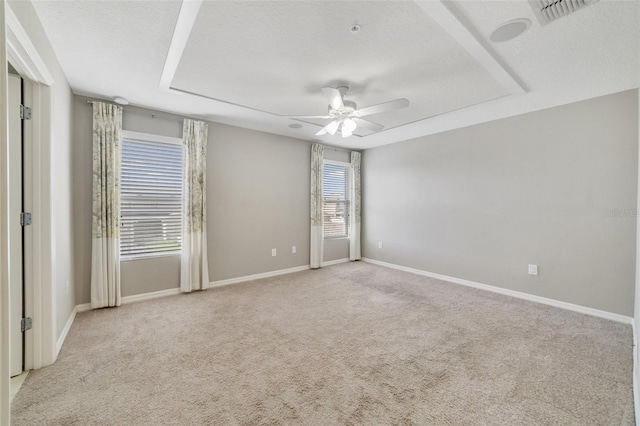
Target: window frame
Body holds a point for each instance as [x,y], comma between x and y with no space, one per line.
[149,137]
[348,200]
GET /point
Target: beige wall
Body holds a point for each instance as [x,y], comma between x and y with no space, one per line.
[82,181]
[149,275]
[257,199]
[61,164]
[257,195]
[483,202]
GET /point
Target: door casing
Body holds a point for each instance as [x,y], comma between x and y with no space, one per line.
[16,292]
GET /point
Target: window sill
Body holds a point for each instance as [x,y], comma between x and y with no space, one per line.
[148,256]
[335,238]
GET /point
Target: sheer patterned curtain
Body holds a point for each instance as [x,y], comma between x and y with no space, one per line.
[105,247]
[194,270]
[317,237]
[355,208]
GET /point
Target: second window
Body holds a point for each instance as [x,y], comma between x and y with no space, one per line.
[335,200]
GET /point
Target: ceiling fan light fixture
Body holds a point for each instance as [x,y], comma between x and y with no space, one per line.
[332,127]
[349,124]
[345,115]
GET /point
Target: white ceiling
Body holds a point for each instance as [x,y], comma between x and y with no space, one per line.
[252,63]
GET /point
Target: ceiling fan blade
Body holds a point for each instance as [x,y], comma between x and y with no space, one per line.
[369,125]
[308,116]
[329,128]
[386,106]
[334,97]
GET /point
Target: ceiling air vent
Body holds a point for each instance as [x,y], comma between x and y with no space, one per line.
[550,10]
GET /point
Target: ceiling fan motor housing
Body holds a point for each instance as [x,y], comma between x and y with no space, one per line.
[347,111]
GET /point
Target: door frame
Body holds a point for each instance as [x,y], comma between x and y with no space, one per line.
[4,235]
[40,305]
[40,341]
[16,236]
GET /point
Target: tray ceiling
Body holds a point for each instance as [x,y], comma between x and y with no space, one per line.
[251,63]
[276,56]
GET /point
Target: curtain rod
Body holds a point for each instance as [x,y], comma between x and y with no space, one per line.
[335,148]
[152,114]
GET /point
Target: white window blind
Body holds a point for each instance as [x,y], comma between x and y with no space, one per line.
[150,198]
[335,194]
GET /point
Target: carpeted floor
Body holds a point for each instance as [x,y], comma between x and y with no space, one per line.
[351,344]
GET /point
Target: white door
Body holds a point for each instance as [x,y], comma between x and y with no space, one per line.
[16,341]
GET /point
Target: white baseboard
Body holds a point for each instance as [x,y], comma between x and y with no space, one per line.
[135,298]
[148,296]
[83,307]
[335,262]
[520,295]
[173,291]
[67,327]
[246,278]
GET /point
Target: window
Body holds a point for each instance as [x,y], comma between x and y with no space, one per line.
[150,195]
[335,199]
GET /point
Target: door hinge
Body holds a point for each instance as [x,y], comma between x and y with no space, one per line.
[25,112]
[25,219]
[26,324]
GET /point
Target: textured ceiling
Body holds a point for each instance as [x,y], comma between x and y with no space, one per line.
[247,63]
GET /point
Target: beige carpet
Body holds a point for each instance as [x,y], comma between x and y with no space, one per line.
[352,344]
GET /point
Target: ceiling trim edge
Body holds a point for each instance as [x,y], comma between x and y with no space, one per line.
[186,19]
[441,13]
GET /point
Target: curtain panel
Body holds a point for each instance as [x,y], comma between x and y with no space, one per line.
[317,237]
[194,269]
[355,208]
[105,247]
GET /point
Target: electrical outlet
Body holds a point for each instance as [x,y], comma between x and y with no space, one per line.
[66,284]
[273,252]
[293,249]
[533,269]
[380,244]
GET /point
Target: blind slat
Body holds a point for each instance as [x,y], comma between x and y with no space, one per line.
[335,191]
[150,198]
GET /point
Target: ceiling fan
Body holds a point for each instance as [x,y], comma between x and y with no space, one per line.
[346,117]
